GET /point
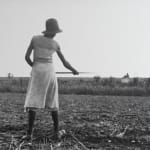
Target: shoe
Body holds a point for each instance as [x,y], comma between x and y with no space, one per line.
[56,137]
[59,135]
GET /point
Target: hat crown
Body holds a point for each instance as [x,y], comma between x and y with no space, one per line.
[52,26]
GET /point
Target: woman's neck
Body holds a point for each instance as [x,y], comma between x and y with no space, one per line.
[49,36]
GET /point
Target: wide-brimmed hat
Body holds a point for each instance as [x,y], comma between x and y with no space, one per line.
[51,26]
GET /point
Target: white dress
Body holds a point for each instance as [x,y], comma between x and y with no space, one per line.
[43,88]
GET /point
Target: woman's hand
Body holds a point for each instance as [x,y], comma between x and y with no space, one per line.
[75,72]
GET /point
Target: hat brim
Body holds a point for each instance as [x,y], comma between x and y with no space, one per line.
[51,32]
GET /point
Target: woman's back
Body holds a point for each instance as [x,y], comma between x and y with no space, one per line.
[44,48]
[43,88]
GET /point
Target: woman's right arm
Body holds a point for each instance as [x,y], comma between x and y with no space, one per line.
[28,54]
[66,63]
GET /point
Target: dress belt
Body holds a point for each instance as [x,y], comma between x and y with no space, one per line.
[43,60]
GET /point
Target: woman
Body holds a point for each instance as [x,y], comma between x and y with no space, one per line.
[42,91]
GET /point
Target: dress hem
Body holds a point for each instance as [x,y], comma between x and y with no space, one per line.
[26,109]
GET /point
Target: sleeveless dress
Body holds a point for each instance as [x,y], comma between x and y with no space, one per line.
[42,90]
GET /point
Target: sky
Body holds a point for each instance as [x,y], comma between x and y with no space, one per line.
[106,37]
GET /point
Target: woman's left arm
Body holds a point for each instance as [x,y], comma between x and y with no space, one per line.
[66,63]
[28,54]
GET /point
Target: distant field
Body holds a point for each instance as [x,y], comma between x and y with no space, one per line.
[85,86]
[94,120]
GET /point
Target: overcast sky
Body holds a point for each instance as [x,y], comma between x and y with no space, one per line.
[109,37]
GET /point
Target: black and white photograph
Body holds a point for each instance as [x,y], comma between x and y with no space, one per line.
[74,75]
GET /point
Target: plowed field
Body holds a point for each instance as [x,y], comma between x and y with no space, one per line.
[98,122]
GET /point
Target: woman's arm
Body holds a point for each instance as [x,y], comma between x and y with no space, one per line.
[66,63]
[28,54]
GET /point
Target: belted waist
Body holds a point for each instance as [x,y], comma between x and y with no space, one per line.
[43,60]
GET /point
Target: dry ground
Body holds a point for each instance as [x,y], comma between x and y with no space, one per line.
[94,120]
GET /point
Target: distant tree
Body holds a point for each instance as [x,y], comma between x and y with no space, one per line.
[135,81]
[10,75]
[97,78]
[111,81]
[148,83]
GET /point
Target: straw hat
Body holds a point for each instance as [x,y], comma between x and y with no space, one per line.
[52,26]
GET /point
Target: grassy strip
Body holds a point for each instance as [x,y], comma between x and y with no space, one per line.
[89,90]
[85,86]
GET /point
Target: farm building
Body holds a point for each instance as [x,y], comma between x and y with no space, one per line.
[125,79]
